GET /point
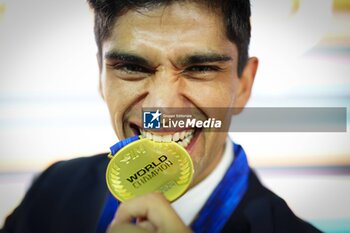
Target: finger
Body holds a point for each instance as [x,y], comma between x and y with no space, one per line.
[126,228]
[153,207]
[147,225]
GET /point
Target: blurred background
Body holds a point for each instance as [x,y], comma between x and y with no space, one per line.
[50,108]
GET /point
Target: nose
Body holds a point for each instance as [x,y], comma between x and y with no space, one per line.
[165,91]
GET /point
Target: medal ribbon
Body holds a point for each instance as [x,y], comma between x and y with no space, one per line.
[218,208]
[226,196]
[110,207]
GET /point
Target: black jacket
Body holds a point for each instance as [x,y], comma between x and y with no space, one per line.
[69,196]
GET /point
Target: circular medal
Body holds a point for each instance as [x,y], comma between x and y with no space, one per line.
[145,166]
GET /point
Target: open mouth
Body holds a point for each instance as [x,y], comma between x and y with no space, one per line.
[184,137]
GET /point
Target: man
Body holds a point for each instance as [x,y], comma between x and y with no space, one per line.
[181,54]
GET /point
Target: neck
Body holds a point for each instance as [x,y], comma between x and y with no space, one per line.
[213,164]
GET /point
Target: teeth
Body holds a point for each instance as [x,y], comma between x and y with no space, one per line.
[157,138]
[149,135]
[186,140]
[181,143]
[167,138]
[183,138]
[176,136]
[182,135]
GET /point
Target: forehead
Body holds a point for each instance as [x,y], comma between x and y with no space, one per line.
[171,16]
[185,24]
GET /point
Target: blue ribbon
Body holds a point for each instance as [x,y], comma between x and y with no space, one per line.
[116,147]
[218,208]
[110,207]
[226,196]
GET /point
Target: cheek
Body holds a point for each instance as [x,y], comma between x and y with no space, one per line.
[113,96]
[225,91]
[121,97]
[213,94]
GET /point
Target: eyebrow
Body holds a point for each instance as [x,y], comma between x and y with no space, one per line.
[128,57]
[186,61]
[204,58]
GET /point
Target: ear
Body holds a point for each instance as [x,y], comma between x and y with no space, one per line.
[246,82]
[99,75]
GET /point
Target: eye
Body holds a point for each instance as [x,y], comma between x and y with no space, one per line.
[202,69]
[202,72]
[131,71]
[131,68]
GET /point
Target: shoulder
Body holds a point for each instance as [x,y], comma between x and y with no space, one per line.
[76,184]
[78,165]
[84,163]
[68,171]
[261,210]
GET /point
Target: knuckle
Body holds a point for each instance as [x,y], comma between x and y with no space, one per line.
[157,196]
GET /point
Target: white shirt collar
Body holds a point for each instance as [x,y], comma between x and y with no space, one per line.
[189,205]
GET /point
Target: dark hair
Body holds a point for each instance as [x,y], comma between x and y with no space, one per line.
[235,13]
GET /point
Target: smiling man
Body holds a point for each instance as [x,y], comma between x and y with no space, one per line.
[176,56]
[165,54]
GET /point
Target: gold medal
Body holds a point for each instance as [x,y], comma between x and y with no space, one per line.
[145,166]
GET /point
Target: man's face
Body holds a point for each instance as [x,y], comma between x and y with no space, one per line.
[178,57]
